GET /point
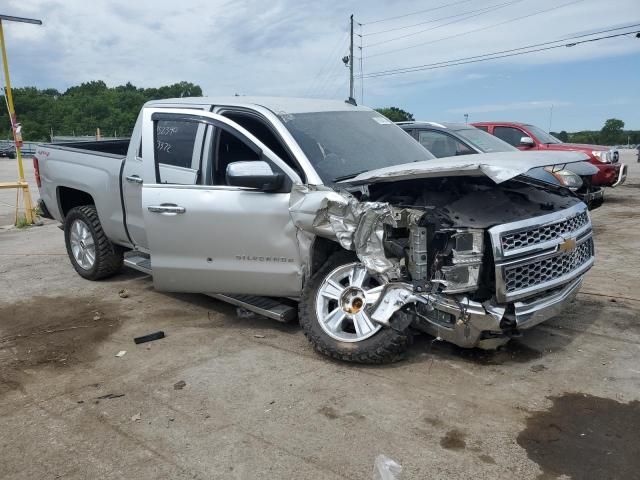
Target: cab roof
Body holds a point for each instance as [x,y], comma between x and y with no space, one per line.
[277,105]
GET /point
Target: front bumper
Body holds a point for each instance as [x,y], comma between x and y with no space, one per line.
[471,324]
[609,174]
[594,198]
[622,175]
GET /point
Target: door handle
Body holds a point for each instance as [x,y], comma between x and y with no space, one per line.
[133,179]
[169,209]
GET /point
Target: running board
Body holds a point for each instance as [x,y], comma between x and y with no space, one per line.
[265,306]
[139,261]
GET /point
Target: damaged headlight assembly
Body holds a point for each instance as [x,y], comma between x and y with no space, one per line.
[460,270]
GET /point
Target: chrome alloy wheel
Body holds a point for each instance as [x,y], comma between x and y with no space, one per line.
[82,244]
[342,301]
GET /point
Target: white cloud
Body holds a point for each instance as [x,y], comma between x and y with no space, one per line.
[292,47]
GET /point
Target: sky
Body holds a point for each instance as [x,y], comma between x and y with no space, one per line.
[294,48]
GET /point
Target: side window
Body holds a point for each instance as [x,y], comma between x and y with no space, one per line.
[509,134]
[441,144]
[175,144]
[175,141]
[263,133]
[230,149]
[482,127]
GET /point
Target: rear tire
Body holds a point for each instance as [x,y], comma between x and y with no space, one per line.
[384,345]
[91,253]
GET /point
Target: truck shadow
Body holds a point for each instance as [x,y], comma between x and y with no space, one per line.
[535,344]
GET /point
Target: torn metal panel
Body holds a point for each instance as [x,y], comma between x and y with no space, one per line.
[499,167]
[356,226]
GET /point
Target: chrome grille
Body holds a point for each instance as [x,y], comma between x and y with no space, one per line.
[517,240]
[539,272]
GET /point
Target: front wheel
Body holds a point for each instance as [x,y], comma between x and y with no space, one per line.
[334,314]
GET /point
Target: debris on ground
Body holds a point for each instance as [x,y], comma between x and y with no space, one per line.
[149,338]
[96,316]
[121,353]
[244,313]
[109,396]
[179,385]
[258,336]
[123,293]
[385,468]
[137,417]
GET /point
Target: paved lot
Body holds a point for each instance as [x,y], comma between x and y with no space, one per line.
[224,397]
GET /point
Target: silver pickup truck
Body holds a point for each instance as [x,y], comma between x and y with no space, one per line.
[325,211]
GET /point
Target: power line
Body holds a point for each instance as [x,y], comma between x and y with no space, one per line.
[416,13]
[570,37]
[477,29]
[423,23]
[326,67]
[482,12]
[490,56]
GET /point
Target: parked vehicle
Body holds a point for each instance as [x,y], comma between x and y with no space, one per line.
[327,210]
[529,137]
[453,139]
[7,150]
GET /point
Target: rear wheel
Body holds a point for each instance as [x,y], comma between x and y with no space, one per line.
[91,253]
[334,314]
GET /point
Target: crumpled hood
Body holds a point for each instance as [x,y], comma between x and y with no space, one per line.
[499,167]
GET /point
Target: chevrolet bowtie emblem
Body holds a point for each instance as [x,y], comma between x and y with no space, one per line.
[568,244]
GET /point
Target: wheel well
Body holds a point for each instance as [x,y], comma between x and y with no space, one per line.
[69,198]
[321,250]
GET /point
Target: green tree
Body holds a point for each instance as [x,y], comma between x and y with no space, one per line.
[395,114]
[563,136]
[612,132]
[82,108]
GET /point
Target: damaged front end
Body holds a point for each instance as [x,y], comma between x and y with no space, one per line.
[473,262]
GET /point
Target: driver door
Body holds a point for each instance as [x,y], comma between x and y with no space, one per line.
[208,237]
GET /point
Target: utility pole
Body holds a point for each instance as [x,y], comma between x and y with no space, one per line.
[466,118]
[15,126]
[351,93]
[550,117]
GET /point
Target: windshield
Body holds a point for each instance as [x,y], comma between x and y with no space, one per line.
[483,141]
[343,144]
[542,136]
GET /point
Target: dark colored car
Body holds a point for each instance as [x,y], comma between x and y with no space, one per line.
[7,150]
[453,139]
[526,137]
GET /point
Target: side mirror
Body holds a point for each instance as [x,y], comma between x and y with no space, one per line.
[255,174]
[527,142]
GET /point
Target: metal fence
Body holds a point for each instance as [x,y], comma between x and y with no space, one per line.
[28,148]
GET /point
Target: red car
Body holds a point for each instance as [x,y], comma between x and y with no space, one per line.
[529,137]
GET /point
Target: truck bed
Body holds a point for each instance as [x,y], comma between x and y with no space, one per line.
[107,147]
[85,172]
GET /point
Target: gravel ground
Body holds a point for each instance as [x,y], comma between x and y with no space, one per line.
[234,398]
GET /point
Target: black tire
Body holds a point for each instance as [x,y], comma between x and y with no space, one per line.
[109,257]
[386,346]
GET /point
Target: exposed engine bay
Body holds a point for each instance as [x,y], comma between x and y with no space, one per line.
[439,230]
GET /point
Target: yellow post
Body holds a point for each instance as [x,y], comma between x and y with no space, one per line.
[28,209]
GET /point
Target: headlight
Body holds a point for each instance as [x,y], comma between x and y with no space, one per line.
[566,178]
[603,155]
[462,272]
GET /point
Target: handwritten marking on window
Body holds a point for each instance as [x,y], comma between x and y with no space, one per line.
[163,146]
[167,131]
